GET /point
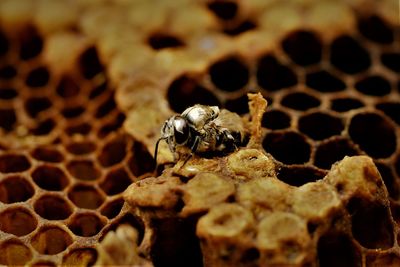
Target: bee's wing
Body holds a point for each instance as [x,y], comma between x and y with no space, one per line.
[231,121]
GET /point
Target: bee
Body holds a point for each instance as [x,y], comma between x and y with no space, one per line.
[202,129]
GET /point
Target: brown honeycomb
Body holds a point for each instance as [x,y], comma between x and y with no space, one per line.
[72,71]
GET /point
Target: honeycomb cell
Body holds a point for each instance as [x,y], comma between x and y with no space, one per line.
[300,101]
[374,85]
[4,44]
[52,207]
[44,127]
[376,30]
[80,257]
[303,47]
[229,74]
[67,87]
[185,92]
[371,224]
[114,125]
[275,119]
[72,112]
[81,148]
[225,10]
[128,219]
[14,163]
[51,240]
[15,189]
[391,60]
[239,105]
[374,134]
[337,249]
[106,107]
[391,109]
[8,118]
[389,259]
[345,104]
[86,197]
[348,55]
[141,161]
[81,128]
[43,264]
[324,82]
[161,40]
[35,105]
[287,147]
[31,44]
[38,77]
[113,152]
[50,178]
[18,221]
[272,75]
[98,90]
[7,72]
[87,224]
[47,154]
[389,179]
[14,252]
[89,63]
[113,208]
[115,182]
[8,93]
[299,175]
[319,125]
[328,153]
[242,27]
[83,170]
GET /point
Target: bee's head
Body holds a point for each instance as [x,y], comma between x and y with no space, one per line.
[175,129]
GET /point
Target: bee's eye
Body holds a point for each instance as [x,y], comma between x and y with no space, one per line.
[181,132]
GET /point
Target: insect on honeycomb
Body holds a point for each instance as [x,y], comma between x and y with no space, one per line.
[85,87]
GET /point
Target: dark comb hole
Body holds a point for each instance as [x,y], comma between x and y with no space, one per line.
[51,240]
[391,109]
[15,189]
[52,207]
[113,152]
[244,26]
[229,74]
[272,75]
[81,148]
[374,134]
[303,47]
[141,162]
[387,259]
[397,165]
[83,170]
[373,85]
[89,63]
[98,90]
[332,151]
[4,45]
[35,105]
[113,208]
[7,72]
[223,9]
[239,105]
[8,119]
[275,119]
[391,61]
[319,126]
[13,163]
[116,182]
[348,55]
[160,41]
[80,256]
[47,154]
[389,180]
[72,112]
[287,147]
[324,82]
[67,87]
[44,127]
[86,225]
[111,127]
[31,44]
[86,197]
[82,128]
[299,175]
[185,92]
[300,101]
[345,104]
[8,93]
[106,107]
[375,29]
[38,77]
[50,178]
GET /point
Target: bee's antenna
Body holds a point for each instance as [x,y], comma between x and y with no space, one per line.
[156,152]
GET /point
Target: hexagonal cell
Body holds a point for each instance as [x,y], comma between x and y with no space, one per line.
[38,77]
[391,109]
[86,197]
[376,29]
[114,151]
[81,147]
[303,47]
[345,104]
[18,221]
[14,252]
[4,44]
[35,105]
[319,125]
[272,75]
[8,118]
[185,92]
[374,85]
[128,219]
[348,55]
[287,147]
[83,170]
[225,10]
[300,101]
[276,119]
[105,107]
[374,134]
[81,128]
[391,61]
[50,178]
[324,82]
[89,63]
[114,125]
[44,127]
[328,153]
[86,224]
[98,89]
[51,240]
[243,26]
[8,93]
[113,208]
[80,257]
[67,87]
[116,182]
[300,175]
[141,161]
[72,112]
[229,74]
[7,72]
[238,105]
[389,179]
[47,154]
[31,44]
[160,40]
[14,163]
[15,189]
[52,207]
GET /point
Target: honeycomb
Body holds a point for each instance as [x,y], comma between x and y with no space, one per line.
[86,85]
